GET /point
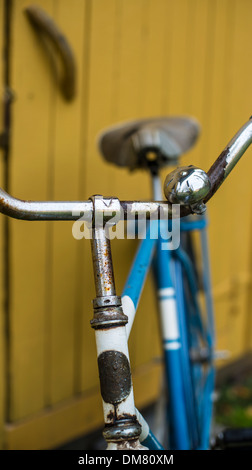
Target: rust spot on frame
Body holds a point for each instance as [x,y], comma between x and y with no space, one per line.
[111,416]
[124,445]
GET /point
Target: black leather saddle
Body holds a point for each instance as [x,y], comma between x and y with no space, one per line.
[139,143]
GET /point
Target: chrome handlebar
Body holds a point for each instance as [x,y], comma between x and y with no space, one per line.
[73,210]
[229,157]
[189,187]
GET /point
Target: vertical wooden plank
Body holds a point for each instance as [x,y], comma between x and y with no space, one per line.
[115,79]
[139,95]
[2,323]
[157,55]
[66,149]
[30,166]
[212,120]
[228,47]
[240,194]
[178,61]
[150,20]
[84,348]
[97,174]
[102,45]
[197,60]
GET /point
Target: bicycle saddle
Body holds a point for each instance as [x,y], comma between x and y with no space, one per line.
[136,144]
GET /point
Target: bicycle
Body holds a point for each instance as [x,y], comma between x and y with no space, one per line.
[187,336]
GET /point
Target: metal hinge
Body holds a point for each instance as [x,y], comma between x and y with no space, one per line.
[4,140]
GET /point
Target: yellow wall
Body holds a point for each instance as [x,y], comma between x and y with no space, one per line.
[135,58]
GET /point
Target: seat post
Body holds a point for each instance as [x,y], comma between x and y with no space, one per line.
[157,193]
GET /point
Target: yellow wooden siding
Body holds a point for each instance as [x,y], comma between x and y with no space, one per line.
[2,318]
[135,58]
[74,417]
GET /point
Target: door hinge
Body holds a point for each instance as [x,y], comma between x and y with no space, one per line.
[4,140]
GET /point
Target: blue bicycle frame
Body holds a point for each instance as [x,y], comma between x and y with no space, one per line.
[189,383]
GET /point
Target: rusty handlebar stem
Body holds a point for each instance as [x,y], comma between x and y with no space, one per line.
[72,210]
